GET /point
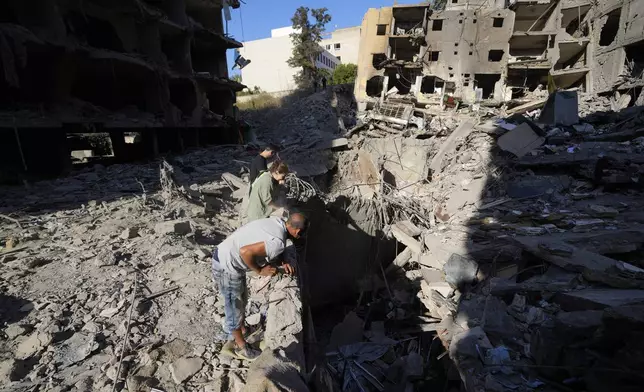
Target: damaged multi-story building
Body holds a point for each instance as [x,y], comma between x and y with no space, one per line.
[496,49]
[153,66]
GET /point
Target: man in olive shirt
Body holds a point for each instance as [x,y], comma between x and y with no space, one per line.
[264,192]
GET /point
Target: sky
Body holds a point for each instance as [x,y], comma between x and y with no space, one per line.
[255,19]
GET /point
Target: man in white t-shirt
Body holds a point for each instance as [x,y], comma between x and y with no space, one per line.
[241,252]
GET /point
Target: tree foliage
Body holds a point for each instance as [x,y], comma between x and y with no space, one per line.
[306,42]
[237,78]
[345,73]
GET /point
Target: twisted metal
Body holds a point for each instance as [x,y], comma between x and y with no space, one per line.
[298,189]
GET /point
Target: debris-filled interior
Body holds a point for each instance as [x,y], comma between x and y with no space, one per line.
[453,244]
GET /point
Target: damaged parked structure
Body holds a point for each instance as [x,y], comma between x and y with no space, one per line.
[487,49]
[155,66]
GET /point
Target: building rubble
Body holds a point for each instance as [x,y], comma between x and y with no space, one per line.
[105,282]
[518,246]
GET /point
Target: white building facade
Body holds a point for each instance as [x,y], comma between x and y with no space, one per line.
[269,69]
[343,44]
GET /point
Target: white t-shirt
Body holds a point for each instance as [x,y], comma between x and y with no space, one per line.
[271,231]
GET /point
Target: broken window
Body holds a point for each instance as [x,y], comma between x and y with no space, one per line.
[328,47]
[474,21]
[610,28]
[337,46]
[460,21]
[378,60]
[374,86]
[381,29]
[433,56]
[471,53]
[497,22]
[495,55]
[95,32]
[339,58]
[437,25]
[455,53]
[454,1]
[427,85]
[487,82]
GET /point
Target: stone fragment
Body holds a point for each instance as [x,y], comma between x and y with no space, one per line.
[15,330]
[32,345]
[414,365]
[109,312]
[75,349]
[173,227]
[349,331]
[129,233]
[460,271]
[184,368]
[254,319]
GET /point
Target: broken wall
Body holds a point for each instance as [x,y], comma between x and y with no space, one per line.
[374,41]
[467,42]
[616,25]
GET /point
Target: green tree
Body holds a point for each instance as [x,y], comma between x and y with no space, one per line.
[345,73]
[306,42]
[237,78]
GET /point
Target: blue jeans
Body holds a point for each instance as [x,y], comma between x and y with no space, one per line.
[232,287]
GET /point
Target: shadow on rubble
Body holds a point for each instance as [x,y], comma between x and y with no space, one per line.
[543,258]
[13,309]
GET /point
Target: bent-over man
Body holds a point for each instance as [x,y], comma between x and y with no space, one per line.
[247,249]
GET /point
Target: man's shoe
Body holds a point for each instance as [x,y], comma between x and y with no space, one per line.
[247,353]
[228,349]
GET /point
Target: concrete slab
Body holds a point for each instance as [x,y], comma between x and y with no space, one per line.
[520,141]
[598,299]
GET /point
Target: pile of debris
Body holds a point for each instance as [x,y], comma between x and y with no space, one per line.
[106,281]
[531,268]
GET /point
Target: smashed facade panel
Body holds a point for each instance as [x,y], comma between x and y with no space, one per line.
[488,49]
[114,66]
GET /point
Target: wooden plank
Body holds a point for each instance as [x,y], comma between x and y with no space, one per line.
[593,266]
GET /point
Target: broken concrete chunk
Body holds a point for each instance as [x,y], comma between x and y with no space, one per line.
[254,319]
[234,180]
[520,141]
[598,211]
[579,324]
[15,330]
[349,331]
[75,349]
[32,345]
[414,365]
[460,271]
[409,228]
[402,237]
[598,299]
[130,232]
[432,275]
[184,368]
[173,227]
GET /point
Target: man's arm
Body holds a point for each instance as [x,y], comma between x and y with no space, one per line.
[248,254]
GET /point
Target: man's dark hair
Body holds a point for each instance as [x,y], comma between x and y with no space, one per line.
[297,220]
[279,167]
[271,147]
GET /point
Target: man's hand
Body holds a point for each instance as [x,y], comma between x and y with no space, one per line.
[268,271]
[288,269]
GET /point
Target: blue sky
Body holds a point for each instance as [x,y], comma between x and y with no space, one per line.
[256,18]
